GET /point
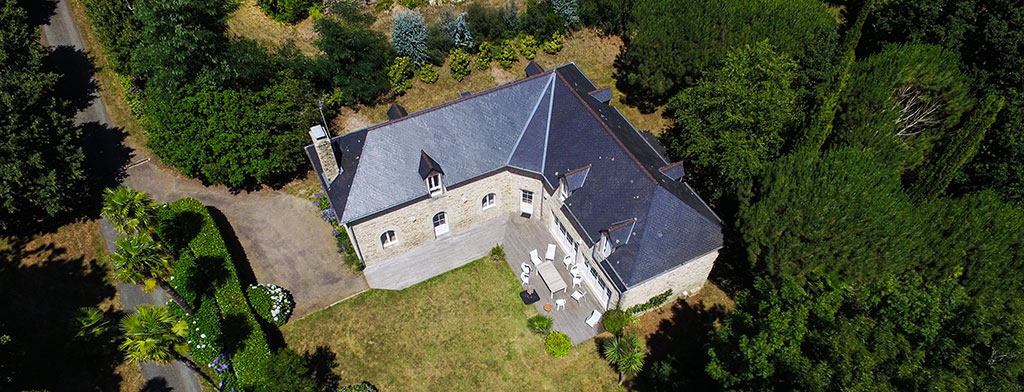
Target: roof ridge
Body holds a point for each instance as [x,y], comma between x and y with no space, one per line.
[459,100]
[606,128]
[529,120]
[577,170]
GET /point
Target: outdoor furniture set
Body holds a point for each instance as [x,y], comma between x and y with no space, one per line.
[549,274]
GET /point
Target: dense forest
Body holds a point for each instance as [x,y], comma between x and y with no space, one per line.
[868,157]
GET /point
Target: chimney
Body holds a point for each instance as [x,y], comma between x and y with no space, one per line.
[325,153]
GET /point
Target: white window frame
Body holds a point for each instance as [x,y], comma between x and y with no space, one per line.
[488,201]
[564,193]
[391,239]
[434,184]
[597,286]
[440,228]
[526,201]
[605,247]
[564,238]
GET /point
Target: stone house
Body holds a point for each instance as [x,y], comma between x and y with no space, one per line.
[547,148]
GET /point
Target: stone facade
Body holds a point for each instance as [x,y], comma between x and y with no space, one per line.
[684,280]
[413,224]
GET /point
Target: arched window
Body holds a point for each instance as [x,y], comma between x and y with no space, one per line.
[388,238]
[488,201]
[440,223]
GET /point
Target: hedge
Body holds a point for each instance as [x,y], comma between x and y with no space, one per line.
[272,303]
[204,271]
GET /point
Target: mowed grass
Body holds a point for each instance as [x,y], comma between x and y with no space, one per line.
[462,331]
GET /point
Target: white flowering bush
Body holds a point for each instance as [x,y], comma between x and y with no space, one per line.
[271,302]
[204,333]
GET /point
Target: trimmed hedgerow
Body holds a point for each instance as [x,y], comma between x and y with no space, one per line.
[204,333]
[271,302]
[207,273]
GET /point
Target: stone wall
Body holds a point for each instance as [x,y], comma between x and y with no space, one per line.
[413,224]
[684,280]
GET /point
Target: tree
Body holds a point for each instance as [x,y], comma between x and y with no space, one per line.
[116,28]
[899,333]
[178,41]
[899,102]
[999,163]
[735,121]
[610,16]
[822,117]
[287,11]
[131,212]
[626,353]
[459,31]
[409,36]
[91,324]
[141,260]
[353,60]
[569,10]
[928,182]
[152,334]
[670,42]
[41,173]
[287,371]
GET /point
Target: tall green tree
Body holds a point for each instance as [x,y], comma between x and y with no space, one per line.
[898,103]
[736,119]
[41,159]
[670,42]
[153,334]
[130,211]
[355,59]
[999,163]
[117,29]
[931,180]
[626,353]
[287,371]
[141,260]
[898,333]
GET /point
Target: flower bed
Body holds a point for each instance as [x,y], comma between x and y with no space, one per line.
[271,302]
[340,234]
[558,344]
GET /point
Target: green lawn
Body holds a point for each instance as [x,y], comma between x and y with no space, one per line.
[461,331]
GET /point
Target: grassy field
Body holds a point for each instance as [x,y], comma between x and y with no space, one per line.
[461,331]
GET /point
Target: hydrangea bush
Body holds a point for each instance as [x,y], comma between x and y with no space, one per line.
[558,344]
[271,302]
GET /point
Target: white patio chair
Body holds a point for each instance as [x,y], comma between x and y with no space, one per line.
[525,277]
[560,304]
[550,254]
[568,260]
[578,295]
[595,317]
[527,268]
[534,258]
[576,281]
[575,271]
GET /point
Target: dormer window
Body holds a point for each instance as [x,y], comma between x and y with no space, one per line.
[434,184]
[564,192]
[605,246]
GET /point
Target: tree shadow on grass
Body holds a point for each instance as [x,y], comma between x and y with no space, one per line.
[678,350]
[322,362]
[40,302]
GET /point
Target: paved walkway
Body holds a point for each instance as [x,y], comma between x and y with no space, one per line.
[281,235]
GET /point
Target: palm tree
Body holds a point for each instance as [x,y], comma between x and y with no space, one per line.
[153,334]
[129,211]
[141,260]
[626,353]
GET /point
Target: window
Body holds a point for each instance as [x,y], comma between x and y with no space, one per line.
[565,192]
[527,197]
[487,202]
[434,183]
[440,223]
[606,246]
[526,203]
[388,238]
[563,235]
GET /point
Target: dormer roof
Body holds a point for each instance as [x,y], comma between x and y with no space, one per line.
[574,179]
[428,165]
[674,171]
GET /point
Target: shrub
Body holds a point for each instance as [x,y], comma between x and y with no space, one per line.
[555,44]
[272,303]
[558,344]
[458,62]
[616,320]
[483,59]
[287,11]
[458,29]
[528,47]
[569,10]
[400,74]
[540,324]
[409,36]
[132,95]
[498,253]
[204,332]
[428,74]
[508,55]
[652,303]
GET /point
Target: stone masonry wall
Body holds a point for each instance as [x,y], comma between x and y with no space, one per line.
[413,224]
[686,279]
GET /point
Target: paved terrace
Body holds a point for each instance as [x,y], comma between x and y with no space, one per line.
[518,236]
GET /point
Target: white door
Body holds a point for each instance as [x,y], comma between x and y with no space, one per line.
[440,224]
[526,203]
[597,286]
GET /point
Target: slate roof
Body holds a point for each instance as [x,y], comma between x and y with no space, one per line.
[550,125]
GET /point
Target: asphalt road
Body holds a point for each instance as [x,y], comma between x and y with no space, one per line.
[61,31]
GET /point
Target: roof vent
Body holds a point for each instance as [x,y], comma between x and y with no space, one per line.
[602,95]
[675,171]
[396,111]
[533,68]
[325,154]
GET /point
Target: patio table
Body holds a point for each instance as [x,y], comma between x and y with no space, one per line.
[551,278]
